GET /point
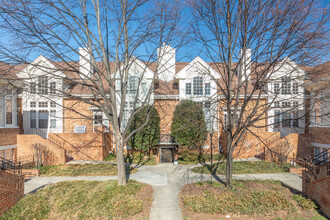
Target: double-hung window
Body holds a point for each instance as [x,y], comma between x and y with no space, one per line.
[286,119]
[52,87]
[295,88]
[144,88]
[43,85]
[188,88]
[132,85]
[198,85]
[33,119]
[295,119]
[9,112]
[52,118]
[97,116]
[207,114]
[277,118]
[43,119]
[286,85]
[234,118]
[207,88]
[276,88]
[33,88]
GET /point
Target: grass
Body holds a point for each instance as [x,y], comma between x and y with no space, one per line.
[251,198]
[242,167]
[304,202]
[81,170]
[136,158]
[80,200]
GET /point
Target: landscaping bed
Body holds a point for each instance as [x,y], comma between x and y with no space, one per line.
[81,170]
[247,200]
[85,200]
[186,157]
[242,167]
[135,158]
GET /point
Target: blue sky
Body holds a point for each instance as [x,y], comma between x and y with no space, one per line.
[184,54]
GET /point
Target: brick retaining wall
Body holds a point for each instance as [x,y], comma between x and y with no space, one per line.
[11,189]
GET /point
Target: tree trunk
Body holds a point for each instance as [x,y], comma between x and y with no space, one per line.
[229,162]
[122,181]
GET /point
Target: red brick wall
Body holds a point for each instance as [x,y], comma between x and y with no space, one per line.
[25,147]
[86,146]
[11,189]
[318,190]
[8,136]
[320,134]
[294,146]
[250,145]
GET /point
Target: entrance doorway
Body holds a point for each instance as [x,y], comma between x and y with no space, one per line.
[166,155]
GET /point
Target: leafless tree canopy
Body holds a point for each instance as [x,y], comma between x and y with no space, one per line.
[114,35]
[274,30]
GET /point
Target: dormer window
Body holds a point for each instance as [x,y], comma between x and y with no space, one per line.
[188,88]
[207,88]
[33,88]
[286,85]
[52,87]
[132,84]
[43,85]
[198,85]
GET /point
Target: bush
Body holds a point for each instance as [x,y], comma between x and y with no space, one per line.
[149,136]
[188,125]
[110,157]
[304,202]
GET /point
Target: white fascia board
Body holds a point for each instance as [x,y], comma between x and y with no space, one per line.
[8,147]
[166,96]
[320,145]
[278,68]
[148,73]
[243,96]
[24,72]
[182,73]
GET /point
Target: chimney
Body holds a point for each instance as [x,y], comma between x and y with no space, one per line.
[166,63]
[85,66]
[245,68]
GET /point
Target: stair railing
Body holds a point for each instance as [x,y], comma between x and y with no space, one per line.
[10,166]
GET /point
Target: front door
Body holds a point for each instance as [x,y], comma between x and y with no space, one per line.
[167,155]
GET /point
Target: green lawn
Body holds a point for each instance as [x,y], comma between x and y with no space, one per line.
[82,200]
[248,199]
[81,170]
[242,167]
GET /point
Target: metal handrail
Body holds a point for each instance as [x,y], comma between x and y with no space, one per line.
[318,161]
[10,165]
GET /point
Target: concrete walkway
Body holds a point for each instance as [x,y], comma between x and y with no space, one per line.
[167,180]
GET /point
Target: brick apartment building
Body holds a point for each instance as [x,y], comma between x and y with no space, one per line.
[73,129]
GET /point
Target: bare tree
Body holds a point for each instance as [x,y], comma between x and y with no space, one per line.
[274,30]
[118,41]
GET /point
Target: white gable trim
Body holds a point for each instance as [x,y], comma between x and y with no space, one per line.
[182,73]
[41,58]
[148,73]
